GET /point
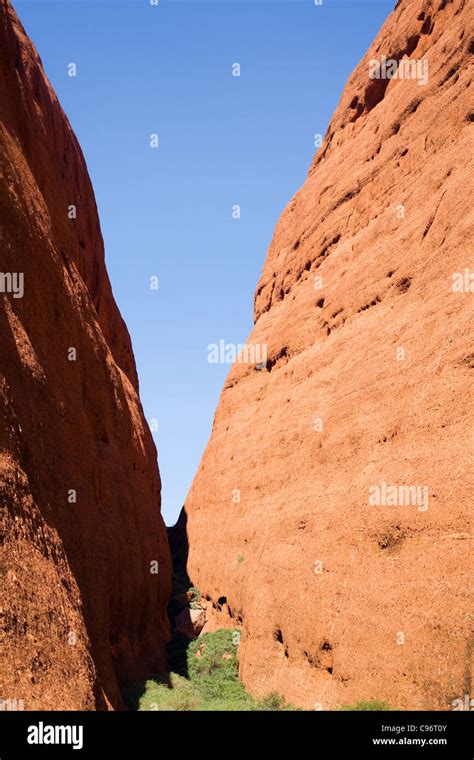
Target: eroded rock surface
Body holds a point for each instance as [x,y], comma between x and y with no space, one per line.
[368,381]
[80,610]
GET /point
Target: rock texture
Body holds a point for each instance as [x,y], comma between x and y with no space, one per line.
[80,610]
[367,381]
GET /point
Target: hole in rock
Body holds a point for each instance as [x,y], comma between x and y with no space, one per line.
[426,28]
[403,284]
[220,602]
[282,354]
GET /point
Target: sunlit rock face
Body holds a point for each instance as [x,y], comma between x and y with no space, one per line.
[329,517]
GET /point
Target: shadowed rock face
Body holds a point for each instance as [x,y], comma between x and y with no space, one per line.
[367,381]
[81,611]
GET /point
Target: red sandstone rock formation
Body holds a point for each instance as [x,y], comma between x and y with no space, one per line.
[80,609]
[368,381]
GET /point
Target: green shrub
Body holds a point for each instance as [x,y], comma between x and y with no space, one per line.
[213,666]
[273,701]
[367,704]
[196,598]
[208,680]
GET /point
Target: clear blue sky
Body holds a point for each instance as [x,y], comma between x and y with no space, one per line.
[223,140]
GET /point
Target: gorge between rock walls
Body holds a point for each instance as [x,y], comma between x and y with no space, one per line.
[366,337]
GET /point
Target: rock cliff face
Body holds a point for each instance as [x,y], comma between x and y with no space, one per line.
[81,610]
[367,383]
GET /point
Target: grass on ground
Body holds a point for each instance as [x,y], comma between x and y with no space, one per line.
[208,679]
[367,704]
